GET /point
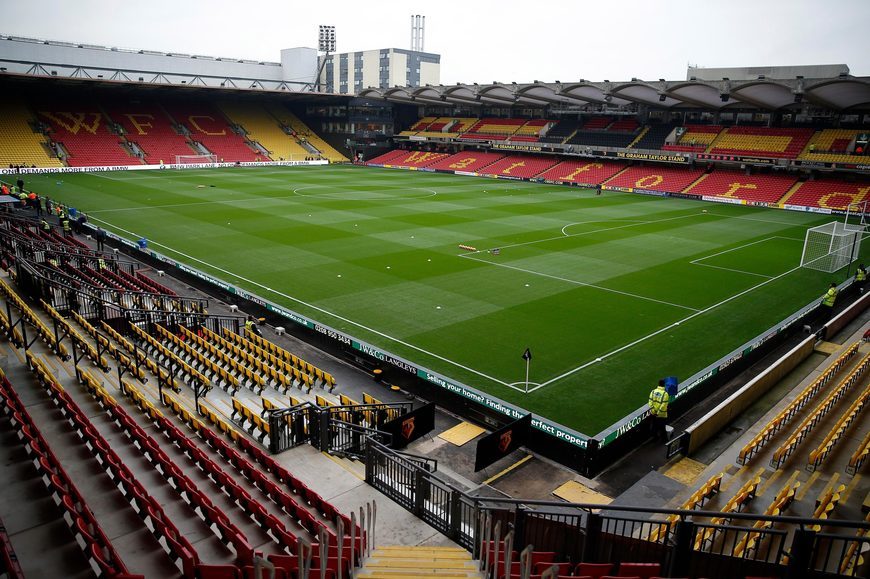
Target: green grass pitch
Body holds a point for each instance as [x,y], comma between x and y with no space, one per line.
[594,285]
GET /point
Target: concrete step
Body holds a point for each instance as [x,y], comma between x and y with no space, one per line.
[398,562]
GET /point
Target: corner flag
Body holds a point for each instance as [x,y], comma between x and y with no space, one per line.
[527,355]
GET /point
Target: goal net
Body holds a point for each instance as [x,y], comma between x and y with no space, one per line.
[831,246]
[195,159]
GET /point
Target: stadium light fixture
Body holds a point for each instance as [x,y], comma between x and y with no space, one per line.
[326,39]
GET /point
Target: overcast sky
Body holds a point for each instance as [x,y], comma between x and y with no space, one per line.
[480,40]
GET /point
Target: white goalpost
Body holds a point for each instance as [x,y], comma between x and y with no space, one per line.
[195,159]
[832,246]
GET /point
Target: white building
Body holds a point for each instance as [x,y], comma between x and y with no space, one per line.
[351,72]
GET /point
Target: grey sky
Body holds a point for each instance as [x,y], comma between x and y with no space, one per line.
[480,40]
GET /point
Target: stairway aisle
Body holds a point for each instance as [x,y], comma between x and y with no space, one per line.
[415,562]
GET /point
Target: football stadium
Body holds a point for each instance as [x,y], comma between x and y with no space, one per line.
[328,316]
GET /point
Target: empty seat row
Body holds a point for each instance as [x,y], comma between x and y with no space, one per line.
[801,401]
[781,454]
[836,432]
[216,520]
[95,545]
[262,347]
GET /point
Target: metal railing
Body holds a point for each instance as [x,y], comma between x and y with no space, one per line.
[699,543]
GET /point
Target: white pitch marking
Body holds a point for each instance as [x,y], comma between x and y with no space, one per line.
[664,329]
[602,288]
[319,309]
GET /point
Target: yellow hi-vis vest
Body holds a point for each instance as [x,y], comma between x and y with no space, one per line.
[861,274]
[658,402]
[830,297]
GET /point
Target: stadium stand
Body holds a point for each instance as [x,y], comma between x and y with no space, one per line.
[601,138]
[531,131]
[761,141]
[208,126]
[695,138]
[420,125]
[467,161]
[654,136]
[520,166]
[833,146]
[655,178]
[561,131]
[738,185]
[828,194]
[409,159]
[19,144]
[587,172]
[153,131]
[305,135]
[83,131]
[490,129]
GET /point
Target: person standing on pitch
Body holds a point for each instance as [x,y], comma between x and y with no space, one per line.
[658,408]
[860,278]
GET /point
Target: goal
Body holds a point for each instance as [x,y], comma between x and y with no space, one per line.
[195,159]
[831,246]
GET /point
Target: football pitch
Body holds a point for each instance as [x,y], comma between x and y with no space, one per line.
[609,293]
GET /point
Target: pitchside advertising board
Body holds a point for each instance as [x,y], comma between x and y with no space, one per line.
[102,169]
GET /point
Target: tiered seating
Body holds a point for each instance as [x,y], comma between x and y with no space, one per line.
[493,129]
[800,402]
[601,138]
[95,545]
[761,141]
[264,129]
[854,557]
[209,127]
[530,132]
[524,166]
[695,138]
[827,502]
[561,131]
[624,125]
[785,450]
[9,563]
[420,125]
[829,194]
[751,540]
[821,452]
[467,161]
[585,172]
[414,159]
[83,132]
[385,158]
[150,128]
[19,145]
[695,501]
[831,146]
[303,132]
[736,503]
[737,185]
[859,457]
[655,178]
[597,123]
[654,137]
[162,353]
[45,333]
[263,349]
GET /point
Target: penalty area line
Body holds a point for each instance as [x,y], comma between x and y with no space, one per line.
[661,330]
[319,309]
